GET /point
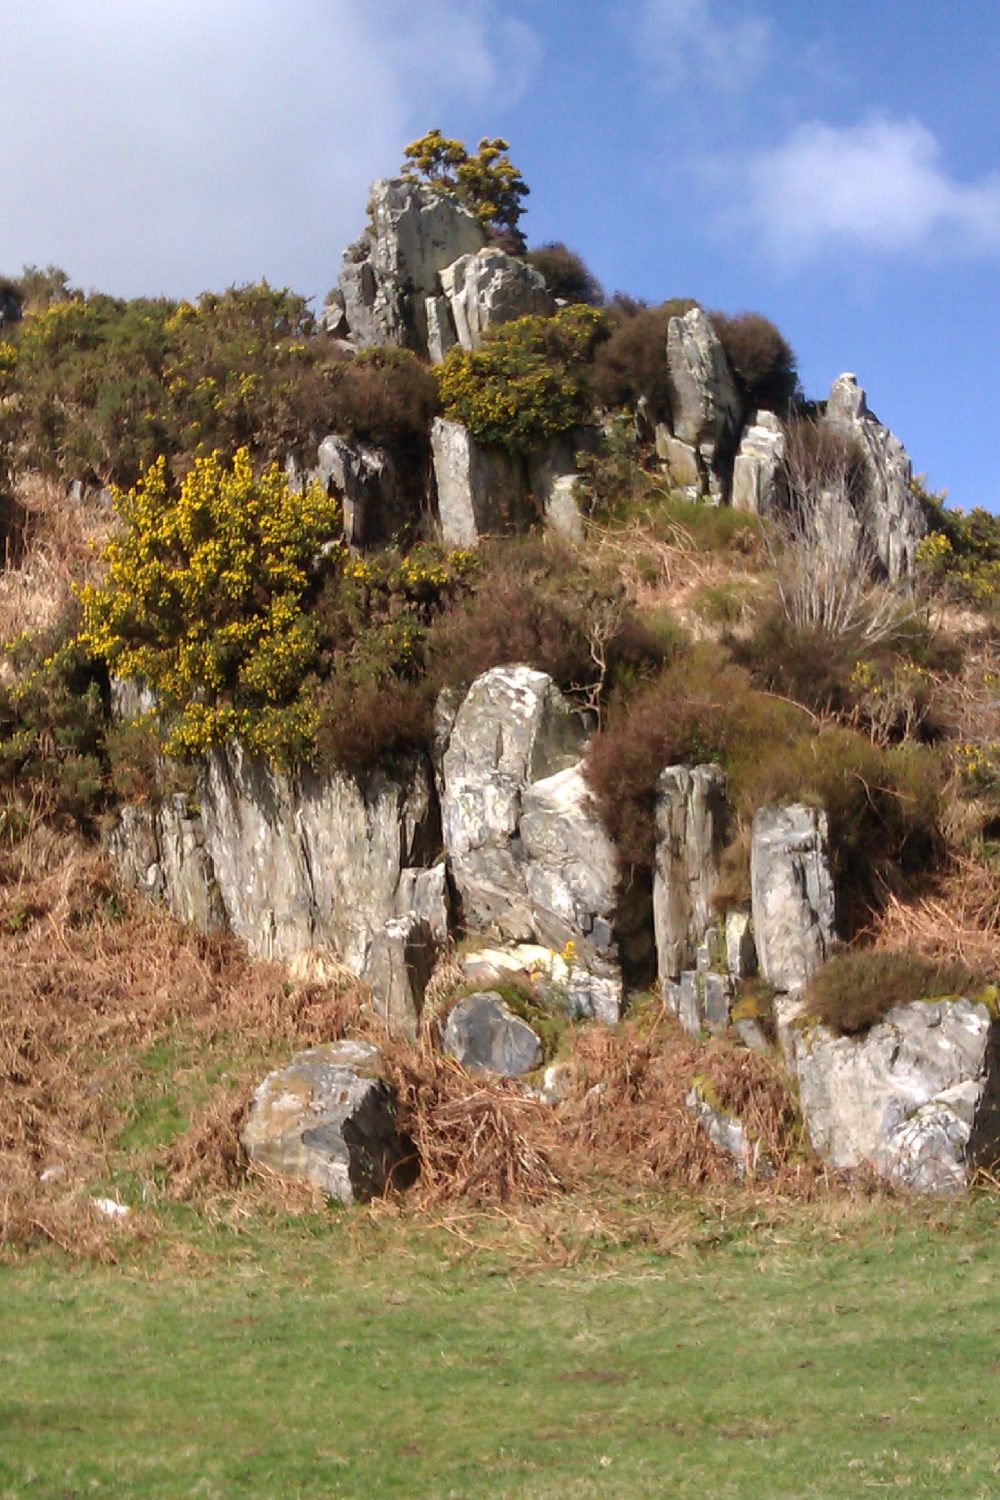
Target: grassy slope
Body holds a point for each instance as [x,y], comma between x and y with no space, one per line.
[365,1359]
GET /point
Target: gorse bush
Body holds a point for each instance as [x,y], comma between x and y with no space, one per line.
[487,184]
[528,380]
[98,388]
[205,601]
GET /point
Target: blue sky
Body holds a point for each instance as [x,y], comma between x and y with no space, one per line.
[835,166]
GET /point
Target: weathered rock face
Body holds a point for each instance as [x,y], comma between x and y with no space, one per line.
[892,520]
[488,288]
[706,407]
[570,866]
[327,1119]
[680,461]
[552,480]
[757,469]
[484,1035]
[400,962]
[160,851]
[389,273]
[480,491]
[513,728]
[366,481]
[792,893]
[917,1099]
[691,831]
[313,861]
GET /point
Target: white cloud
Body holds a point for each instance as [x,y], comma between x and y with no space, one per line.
[702,43]
[170,145]
[880,186]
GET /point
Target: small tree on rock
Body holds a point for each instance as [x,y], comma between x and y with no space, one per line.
[487,184]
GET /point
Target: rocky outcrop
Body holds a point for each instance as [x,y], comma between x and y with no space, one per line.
[513,728]
[490,287]
[365,480]
[680,461]
[705,404]
[758,483]
[570,869]
[916,1099]
[328,1119]
[480,490]
[691,831]
[484,1035]
[389,273]
[792,893]
[312,861]
[892,520]
[160,851]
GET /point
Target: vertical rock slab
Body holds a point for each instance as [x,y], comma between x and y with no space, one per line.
[314,861]
[691,831]
[480,490]
[513,727]
[916,1098]
[757,469]
[160,851]
[490,287]
[706,406]
[365,479]
[570,864]
[792,893]
[390,271]
[892,520]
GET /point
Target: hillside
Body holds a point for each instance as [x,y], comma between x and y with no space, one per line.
[533,701]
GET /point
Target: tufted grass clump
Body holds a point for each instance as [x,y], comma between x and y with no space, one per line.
[858,987]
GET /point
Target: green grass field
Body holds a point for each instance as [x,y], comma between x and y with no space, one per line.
[821,1356]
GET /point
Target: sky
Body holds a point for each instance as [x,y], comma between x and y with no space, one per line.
[834,165]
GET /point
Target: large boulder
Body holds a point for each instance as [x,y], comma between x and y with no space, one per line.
[480,490]
[792,893]
[917,1099]
[490,287]
[313,860]
[365,479]
[757,469]
[705,404]
[691,832]
[513,728]
[892,521]
[389,273]
[485,1036]
[570,865]
[328,1119]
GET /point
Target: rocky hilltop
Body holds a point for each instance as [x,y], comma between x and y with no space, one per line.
[561,841]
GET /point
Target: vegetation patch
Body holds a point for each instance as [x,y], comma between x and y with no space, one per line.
[856,988]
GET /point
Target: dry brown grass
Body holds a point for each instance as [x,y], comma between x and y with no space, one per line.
[958,919]
[58,547]
[88,994]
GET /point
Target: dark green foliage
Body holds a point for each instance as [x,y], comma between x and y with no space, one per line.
[52,723]
[566,274]
[960,554]
[760,358]
[633,361]
[855,990]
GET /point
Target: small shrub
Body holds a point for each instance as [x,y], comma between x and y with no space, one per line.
[384,396]
[633,361]
[541,604]
[527,381]
[856,989]
[760,358]
[566,275]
